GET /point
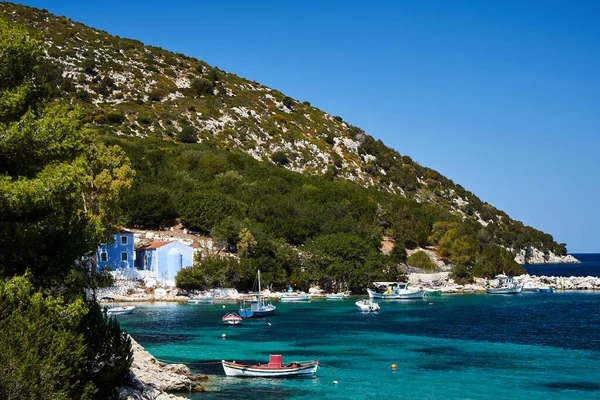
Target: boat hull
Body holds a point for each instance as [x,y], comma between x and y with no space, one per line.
[335,297]
[264,371]
[401,294]
[120,310]
[288,298]
[367,306]
[201,300]
[505,290]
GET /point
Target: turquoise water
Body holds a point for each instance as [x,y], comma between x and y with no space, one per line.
[533,346]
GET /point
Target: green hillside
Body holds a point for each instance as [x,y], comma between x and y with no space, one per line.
[277,181]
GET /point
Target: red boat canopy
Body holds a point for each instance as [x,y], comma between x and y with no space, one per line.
[275,361]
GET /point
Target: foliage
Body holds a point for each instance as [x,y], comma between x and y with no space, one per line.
[421,260]
[149,206]
[494,260]
[202,86]
[188,134]
[201,211]
[398,253]
[280,157]
[288,102]
[214,271]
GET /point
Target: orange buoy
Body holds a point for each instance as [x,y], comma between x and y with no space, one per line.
[393,366]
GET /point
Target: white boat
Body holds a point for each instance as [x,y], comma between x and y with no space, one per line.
[367,305]
[201,300]
[545,289]
[335,296]
[274,369]
[394,291]
[295,297]
[505,286]
[120,310]
[257,306]
[232,319]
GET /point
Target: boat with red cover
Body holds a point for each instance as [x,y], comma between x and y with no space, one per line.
[274,369]
[232,319]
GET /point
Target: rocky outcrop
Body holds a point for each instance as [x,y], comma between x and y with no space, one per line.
[150,379]
[561,282]
[535,256]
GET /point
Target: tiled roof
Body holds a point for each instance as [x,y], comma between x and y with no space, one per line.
[153,245]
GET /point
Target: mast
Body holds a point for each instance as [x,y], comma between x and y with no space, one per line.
[259,281]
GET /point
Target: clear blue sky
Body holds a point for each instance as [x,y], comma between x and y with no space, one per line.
[501,97]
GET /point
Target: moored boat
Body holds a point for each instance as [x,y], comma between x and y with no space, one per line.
[120,310]
[232,319]
[295,297]
[545,289]
[335,296]
[394,291]
[254,305]
[274,369]
[505,286]
[432,292]
[367,305]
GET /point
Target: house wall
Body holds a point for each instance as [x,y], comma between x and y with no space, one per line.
[114,252]
[187,259]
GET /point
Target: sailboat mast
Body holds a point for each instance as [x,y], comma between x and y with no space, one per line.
[259,281]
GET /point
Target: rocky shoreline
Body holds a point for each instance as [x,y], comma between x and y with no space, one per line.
[150,379]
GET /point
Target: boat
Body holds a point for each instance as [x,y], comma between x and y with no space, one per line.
[432,292]
[367,305]
[274,369]
[295,297]
[505,286]
[254,305]
[528,287]
[394,291]
[201,300]
[335,296]
[232,319]
[545,289]
[120,310]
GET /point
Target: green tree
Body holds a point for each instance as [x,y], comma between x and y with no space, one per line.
[188,134]
[201,211]
[202,86]
[421,260]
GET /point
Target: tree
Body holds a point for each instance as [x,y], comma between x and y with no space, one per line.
[201,211]
[279,157]
[421,260]
[398,253]
[288,102]
[202,86]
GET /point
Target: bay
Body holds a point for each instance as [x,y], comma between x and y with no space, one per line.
[475,346]
[589,266]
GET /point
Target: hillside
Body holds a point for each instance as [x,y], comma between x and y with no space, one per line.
[151,101]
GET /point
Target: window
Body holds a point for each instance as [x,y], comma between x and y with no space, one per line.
[123,239]
[104,256]
[124,256]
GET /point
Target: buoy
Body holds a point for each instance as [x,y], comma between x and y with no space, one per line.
[393,366]
[223,336]
[430,303]
[223,305]
[269,324]
[335,382]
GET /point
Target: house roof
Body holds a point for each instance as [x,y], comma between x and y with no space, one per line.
[153,245]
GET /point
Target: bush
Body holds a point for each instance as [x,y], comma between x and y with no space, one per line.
[279,157]
[145,119]
[288,102]
[188,134]
[201,86]
[115,117]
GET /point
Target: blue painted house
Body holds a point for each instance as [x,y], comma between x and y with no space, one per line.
[165,259]
[116,254]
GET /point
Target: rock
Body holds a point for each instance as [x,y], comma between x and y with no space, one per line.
[535,256]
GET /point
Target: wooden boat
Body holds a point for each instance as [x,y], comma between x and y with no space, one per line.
[254,305]
[232,319]
[335,296]
[432,292]
[201,300]
[505,286]
[295,297]
[120,310]
[274,369]
[394,291]
[367,305]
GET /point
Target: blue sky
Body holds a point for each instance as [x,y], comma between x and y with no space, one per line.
[501,97]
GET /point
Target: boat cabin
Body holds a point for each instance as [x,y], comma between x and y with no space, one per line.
[389,287]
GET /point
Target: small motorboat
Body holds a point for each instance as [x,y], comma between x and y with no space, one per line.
[335,296]
[432,292]
[232,319]
[274,369]
[545,289]
[120,310]
[367,305]
[295,297]
[506,285]
[201,300]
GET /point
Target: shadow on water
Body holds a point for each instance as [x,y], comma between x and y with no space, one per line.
[579,386]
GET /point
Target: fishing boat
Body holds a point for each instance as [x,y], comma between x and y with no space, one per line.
[505,286]
[274,369]
[335,296]
[367,305]
[201,300]
[232,319]
[295,297]
[120,310]
[432,292]
[394,291]
[254,305]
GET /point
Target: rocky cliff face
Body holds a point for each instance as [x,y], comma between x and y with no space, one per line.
[535,256]
[150,379]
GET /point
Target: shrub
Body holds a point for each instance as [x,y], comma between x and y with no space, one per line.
[188,134]
[202,86]
[279,157]
[144,119]
[115,117]
[288,102]
[83,95]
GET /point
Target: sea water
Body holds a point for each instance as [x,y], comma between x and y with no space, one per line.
[462,346]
